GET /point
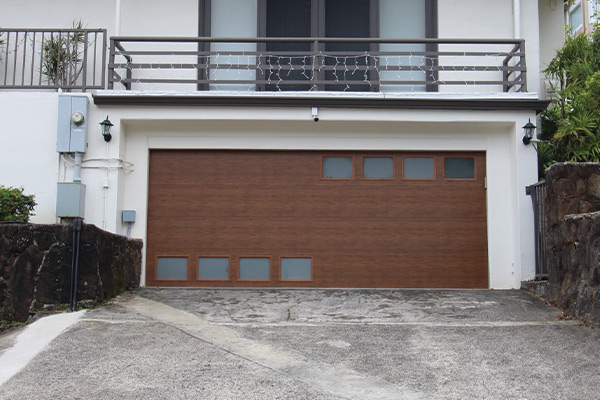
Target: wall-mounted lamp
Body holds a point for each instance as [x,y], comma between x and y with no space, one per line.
[106,125]
[529,128]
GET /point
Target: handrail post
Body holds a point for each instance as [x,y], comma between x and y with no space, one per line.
[523,65]
[111,64]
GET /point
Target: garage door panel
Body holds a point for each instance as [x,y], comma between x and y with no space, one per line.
[357,232]
[316,234]
[235,168]
[304,201]
[439,269]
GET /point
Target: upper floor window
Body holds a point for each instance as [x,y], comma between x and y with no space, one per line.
[342,64]
[575,17]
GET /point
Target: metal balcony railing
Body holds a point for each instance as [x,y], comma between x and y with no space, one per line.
[69,59]
[317,64]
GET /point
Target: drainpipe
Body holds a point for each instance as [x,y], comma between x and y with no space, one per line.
[118,19]
[75,263]
[517,19]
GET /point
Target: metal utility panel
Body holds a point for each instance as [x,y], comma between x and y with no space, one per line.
[72,129]
[128,216]
[70,200]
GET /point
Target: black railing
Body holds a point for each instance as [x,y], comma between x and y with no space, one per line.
[538,198]
[69,59]
[321,64]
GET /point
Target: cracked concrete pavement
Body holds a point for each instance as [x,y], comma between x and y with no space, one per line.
[316,344]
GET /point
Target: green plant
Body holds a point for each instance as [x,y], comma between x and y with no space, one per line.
[61,56]
[571,126]
[15,205]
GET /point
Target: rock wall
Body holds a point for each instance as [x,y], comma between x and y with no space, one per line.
[573,238]
[35,266]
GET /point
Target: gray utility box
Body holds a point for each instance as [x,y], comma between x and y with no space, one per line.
[70,200]
[128,216]
[72,124]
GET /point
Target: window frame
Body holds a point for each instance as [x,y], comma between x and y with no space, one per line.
[339,156]
[229,279]
[362,170]
[573,29]
[435,160]
[312,269]
[187,263]
[460,179]
[239,269]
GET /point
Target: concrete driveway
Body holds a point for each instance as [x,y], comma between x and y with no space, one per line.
[316,344]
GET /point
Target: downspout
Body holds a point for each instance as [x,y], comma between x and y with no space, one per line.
[118,19]
[75,263]
[517,19]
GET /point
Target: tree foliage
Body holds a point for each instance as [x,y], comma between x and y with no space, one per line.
[571,125]
[15,205]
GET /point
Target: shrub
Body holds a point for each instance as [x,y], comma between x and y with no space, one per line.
[14,205]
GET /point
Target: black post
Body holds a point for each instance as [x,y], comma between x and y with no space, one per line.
[75,263]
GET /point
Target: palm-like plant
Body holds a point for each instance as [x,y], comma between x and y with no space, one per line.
[572,123]
[61,57]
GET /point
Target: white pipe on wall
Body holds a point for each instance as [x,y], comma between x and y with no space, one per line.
[118,18]
[517,19]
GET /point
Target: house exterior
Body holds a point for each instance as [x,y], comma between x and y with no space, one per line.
[272,143]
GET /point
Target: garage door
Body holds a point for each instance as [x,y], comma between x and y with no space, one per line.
[317,219]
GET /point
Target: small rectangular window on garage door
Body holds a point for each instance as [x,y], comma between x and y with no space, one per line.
[337,167]
[378,167]
[418,168]
[459,168]
[296,268]
[171,267]
[213,268]
[255,269]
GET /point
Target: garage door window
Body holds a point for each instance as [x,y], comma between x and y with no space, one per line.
[213,268]
[338,167]
[419,168]
[255,269]
[171,268]
[378,167]
[296,269]
[459,168]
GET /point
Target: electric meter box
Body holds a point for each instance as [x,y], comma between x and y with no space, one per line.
[72,124]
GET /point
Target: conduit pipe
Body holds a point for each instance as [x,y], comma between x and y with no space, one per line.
[77,168]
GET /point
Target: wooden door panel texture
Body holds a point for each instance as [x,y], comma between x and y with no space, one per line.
[357,232]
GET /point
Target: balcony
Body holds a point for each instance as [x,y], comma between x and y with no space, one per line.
[76,60]
[68,59]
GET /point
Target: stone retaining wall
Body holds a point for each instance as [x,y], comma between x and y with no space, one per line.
[35,267]
[573,238]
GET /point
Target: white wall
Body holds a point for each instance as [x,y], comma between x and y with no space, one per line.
[28,155]
[489,19]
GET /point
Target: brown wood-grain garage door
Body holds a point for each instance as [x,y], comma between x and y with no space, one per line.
[317,219]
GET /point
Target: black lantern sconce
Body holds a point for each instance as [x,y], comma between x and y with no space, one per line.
[529,128]
[106,125]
